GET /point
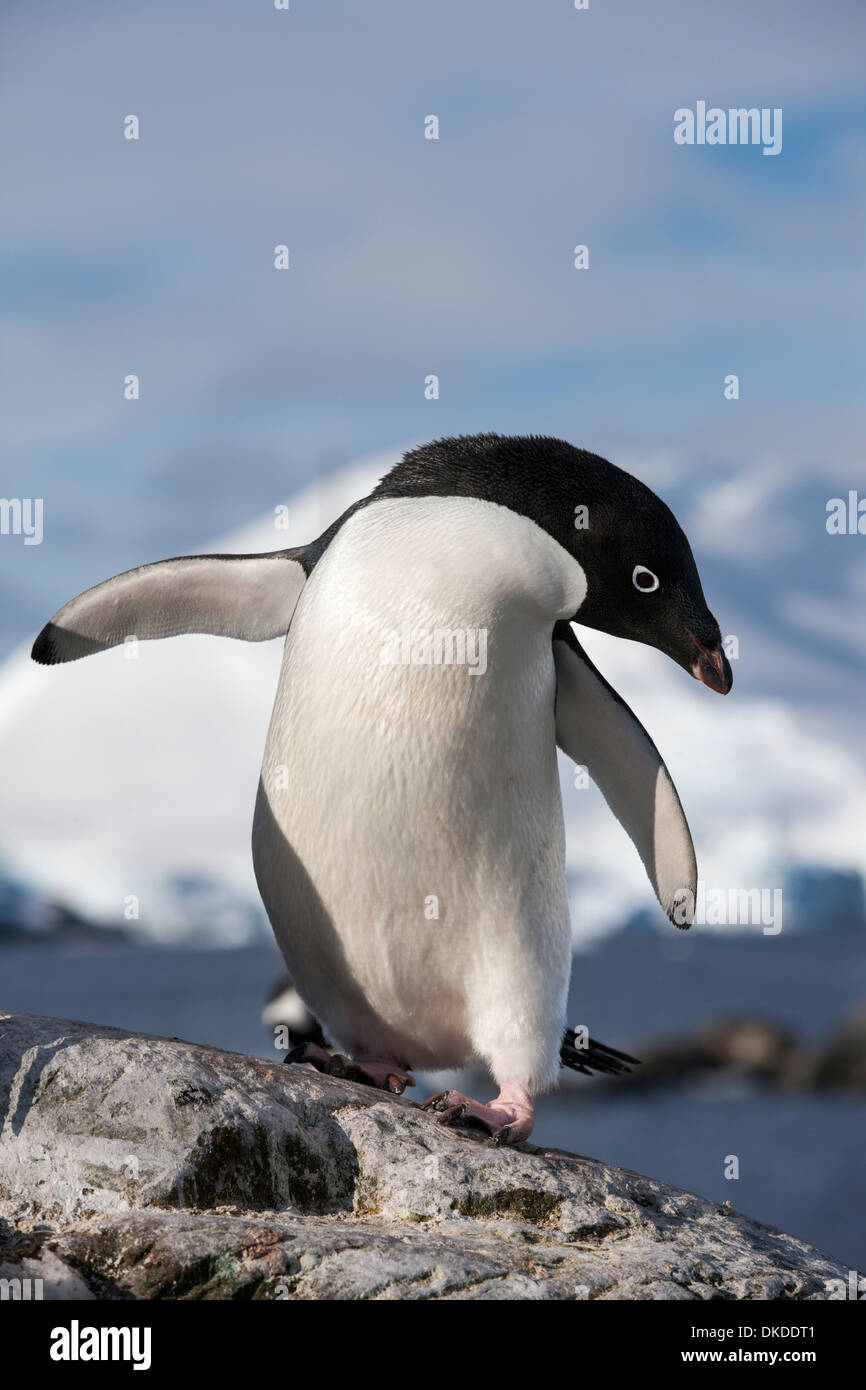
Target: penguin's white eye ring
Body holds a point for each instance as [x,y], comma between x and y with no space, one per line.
[644,579]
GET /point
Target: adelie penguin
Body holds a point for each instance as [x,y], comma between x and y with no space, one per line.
[408,835]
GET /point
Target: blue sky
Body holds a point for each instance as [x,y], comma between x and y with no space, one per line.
[412,256]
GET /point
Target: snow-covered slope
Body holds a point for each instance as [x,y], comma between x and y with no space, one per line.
[135,779]
[127,777]
[761,790]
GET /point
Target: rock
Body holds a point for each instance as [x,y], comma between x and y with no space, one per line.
[143,1167]
[750,1047]
[842,1063]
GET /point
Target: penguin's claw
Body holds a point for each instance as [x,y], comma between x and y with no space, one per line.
[508,1120]
[385,1075]
[446,1113]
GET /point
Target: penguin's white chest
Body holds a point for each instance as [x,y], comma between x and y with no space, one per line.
[408,840]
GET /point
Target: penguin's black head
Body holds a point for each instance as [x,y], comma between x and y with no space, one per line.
[643,583]
[642,580]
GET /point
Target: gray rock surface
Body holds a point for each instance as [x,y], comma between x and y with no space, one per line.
[142,1167]
[842,1063]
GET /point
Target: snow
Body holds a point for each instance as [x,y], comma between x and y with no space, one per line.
[129,784]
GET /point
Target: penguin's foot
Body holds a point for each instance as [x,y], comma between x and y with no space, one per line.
[380,1072]
[508,1119]
[318,1057]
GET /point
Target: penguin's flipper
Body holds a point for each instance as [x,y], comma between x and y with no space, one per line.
[248,596]
[596,728]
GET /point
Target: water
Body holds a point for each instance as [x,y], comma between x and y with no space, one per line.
[800,1156]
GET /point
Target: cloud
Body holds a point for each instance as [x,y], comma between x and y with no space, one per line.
[412,256]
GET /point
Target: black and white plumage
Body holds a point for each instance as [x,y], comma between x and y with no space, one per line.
[408,837]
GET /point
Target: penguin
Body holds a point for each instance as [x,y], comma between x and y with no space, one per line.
[284,1008]
[408,835]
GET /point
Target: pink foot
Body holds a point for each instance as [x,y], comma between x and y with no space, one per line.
[508,1119]
[380,1072]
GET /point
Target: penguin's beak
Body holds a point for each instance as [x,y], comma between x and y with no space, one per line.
[711,666]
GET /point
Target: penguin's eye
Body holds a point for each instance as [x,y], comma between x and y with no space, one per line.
[644,579]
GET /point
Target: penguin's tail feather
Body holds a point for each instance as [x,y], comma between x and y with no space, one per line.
[594,1057]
